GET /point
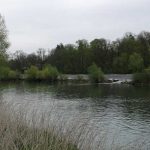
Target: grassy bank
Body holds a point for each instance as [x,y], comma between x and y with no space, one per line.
[16,135]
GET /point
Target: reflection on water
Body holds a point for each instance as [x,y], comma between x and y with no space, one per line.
[122,111]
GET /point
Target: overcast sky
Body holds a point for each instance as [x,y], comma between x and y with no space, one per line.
[34,24]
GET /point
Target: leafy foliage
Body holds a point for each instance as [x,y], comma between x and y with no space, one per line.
[96,73]
[47,73]
[4,44]
[136,63]
[129,54]
[32,73]
[120,62]
[7,74]
[142,78]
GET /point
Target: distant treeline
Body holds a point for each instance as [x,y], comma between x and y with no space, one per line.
[129,54]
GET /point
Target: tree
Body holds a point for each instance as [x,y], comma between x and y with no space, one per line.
[41,56]
[4,44]
[102,54]
[83,55]
[128,44]
[144,40]
[120,64]
[136,62]
[19,61]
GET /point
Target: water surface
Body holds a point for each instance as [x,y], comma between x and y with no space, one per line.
[120,113]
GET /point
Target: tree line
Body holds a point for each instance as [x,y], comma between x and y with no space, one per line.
[129,54]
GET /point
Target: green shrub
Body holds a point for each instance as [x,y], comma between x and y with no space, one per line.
[4,73]
[13,75]
[142,78]
[54,73]
[95,73]
[7,74]
[47,73]
[32,73]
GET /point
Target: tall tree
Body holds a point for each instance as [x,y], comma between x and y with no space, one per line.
[4,44]
[83,55]
[136,63]
[101,53]
[144,40]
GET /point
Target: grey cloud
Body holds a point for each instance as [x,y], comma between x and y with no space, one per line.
[44,23]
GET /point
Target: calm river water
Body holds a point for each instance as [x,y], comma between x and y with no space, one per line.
[114,114]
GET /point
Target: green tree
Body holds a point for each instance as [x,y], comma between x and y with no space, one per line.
[19,62]
[4,44]
[101,53]
[128,44]
[144,40]
[120,64]
[136,63]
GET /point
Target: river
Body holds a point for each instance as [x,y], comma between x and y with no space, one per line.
[116,114]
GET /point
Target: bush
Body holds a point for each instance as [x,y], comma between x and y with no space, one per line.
[7,74]
[142,78]
[47,73]
[95,73]
[32,73]
[13,75]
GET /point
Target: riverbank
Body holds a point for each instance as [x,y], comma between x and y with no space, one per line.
[109,78]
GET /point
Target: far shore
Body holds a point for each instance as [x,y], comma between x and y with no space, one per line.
[109,78]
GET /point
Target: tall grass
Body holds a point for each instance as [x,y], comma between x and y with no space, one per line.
[15,134]
[18,133]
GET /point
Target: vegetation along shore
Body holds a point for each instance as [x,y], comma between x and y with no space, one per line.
[127,55]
